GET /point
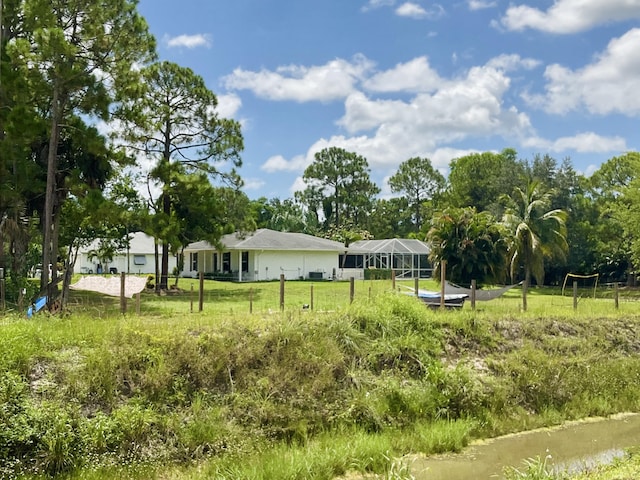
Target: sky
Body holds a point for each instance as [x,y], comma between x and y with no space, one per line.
[393,79]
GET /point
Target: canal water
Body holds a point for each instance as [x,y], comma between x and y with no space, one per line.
[572,447]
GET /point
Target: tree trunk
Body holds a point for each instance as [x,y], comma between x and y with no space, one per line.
[525,287]
[72,257]
[164,265]
[155,251]
[52,164]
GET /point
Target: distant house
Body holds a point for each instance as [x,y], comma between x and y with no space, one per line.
[266,254]
[139,258]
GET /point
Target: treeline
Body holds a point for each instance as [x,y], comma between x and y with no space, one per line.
[85,106]
[496,217]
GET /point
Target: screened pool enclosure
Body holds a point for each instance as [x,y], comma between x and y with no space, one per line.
[407,257]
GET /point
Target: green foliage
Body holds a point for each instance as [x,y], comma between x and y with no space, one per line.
[538,232]
[478,180]
[189,141]
[473,244]
[321,394]
[534,469]
[340,187]
[420,182]
[378,274]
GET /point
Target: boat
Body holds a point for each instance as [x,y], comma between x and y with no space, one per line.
[433,299]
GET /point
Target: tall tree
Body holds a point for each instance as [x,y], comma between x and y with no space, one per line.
[343,178]
[280,215]
[614,188]
[177,122]
[391,218]
[419,182]
[537,232]
[478,180]
[79,56]
[569,192]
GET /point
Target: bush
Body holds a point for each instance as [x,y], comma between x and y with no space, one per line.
[378,274]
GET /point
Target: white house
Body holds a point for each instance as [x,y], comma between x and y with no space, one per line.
[138,258]
[264,255]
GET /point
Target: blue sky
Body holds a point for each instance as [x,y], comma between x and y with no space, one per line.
[391,80]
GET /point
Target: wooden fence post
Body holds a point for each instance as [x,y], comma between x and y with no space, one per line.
[251,300]
[473,294]
[393,279]
[3,305]
[351,289]
[201,299]
[616,296]
[138,303]
[416,286]
[282,292]
[311,304]
[443,276]
[575,295]
[191,298]
[123,299]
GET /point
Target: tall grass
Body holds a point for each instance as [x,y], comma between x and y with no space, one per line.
[296,394]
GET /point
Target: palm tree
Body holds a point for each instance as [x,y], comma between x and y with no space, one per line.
[538,233]
[104,254]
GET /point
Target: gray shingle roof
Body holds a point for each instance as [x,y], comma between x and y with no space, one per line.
[265,239]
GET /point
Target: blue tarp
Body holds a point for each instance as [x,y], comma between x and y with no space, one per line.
[39,304]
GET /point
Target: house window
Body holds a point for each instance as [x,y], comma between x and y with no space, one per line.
[245,261]
[351,261]
[193,261]
[226,262]
[139,259]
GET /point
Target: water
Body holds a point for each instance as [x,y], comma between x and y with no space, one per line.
[572,447]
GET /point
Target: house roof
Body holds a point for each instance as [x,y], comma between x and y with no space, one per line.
[139,244]
[265,239]
[393,245]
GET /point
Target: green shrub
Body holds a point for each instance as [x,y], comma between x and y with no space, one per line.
[378,274]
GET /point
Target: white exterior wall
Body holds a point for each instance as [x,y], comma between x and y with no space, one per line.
[120,262]
[269,265]
[347,273]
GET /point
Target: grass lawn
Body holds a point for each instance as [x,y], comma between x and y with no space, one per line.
[263,298]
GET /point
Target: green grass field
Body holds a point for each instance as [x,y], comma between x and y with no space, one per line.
[227,298]
[299,394]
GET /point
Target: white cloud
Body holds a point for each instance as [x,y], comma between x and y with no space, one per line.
[588,142]
[373,4]
[481,4]
[331,81]
[278,163]
[188,41]
[253,183]
[512,62]
[413,10]
[228,105]
[440,113]
[608,85]
[570,16]
[413,76]
[458,108]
